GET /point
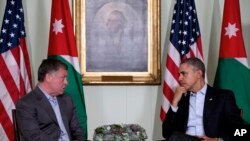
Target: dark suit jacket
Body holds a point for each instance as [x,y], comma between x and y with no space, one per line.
[37,120]
[220,114]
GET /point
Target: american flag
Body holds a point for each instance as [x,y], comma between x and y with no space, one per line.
[185,42]
[15,74]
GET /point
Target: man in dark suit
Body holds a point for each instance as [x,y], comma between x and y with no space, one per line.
[198,111]
[46,114]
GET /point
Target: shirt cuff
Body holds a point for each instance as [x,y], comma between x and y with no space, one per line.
[174,109]
[220,139]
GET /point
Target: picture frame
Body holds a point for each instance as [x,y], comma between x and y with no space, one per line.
[118,41]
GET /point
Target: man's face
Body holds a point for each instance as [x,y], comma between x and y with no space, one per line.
[188,76]
[113,23]
[58,81]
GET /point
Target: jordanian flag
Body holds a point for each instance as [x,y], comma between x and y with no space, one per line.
[62,46]
[233,72]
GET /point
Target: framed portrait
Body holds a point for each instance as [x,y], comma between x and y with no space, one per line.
[118,41]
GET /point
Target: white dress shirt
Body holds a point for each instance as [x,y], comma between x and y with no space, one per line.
[195,125]
[54,103]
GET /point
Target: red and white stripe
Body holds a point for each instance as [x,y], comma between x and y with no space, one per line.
[171,72]
[15,81]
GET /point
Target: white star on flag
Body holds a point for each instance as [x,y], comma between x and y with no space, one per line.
[231,30]
[57,26]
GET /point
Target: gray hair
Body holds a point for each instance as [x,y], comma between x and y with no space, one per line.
[48,66]
[197,63]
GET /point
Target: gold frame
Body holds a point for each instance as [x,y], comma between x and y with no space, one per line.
[151,77]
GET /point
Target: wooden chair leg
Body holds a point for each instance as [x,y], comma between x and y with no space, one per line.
[16,130]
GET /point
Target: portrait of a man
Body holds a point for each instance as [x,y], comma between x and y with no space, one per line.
[116,36]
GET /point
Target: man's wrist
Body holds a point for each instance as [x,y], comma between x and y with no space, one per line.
[220,139]
[174,109]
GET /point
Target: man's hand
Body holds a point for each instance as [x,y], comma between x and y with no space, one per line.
[179,91]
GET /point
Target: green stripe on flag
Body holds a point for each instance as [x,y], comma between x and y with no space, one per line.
[75,90]
[233,75]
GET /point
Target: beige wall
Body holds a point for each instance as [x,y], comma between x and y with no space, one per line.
[131,104]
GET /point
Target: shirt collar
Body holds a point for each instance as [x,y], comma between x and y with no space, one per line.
[202,91]
[45,93]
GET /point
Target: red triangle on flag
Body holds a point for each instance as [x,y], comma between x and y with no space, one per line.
[62,39]
[232,44]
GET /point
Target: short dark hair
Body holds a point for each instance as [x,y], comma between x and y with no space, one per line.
[48,66]
[197,63]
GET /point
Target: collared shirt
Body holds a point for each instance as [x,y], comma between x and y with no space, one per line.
[195,125]
[54,103]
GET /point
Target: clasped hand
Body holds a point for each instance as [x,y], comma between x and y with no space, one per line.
[179,91]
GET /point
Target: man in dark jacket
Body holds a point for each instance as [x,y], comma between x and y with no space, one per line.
[46,113]
[198,111]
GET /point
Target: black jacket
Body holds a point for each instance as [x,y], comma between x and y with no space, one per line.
[220,115]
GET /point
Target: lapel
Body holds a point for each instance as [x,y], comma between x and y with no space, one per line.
[185,107]
[44,104]
[186,102]
[210,100]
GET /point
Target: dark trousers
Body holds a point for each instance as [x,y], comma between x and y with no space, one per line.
[178,136]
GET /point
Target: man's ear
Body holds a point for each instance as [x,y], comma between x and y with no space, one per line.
[48,77]
[199,73]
